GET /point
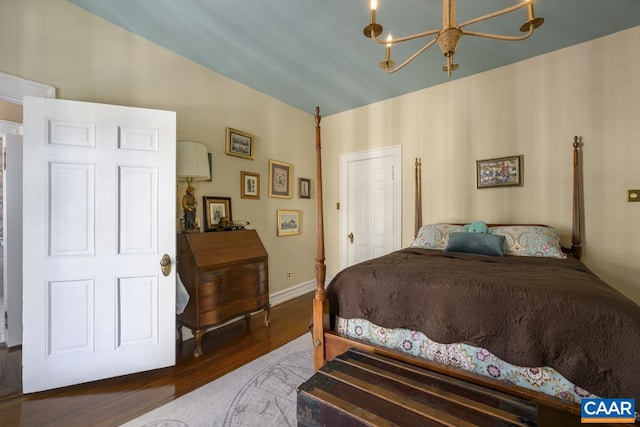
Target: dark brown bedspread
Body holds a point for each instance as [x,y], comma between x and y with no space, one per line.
[528,311]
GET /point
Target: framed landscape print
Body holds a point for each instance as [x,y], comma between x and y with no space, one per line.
[501,172]
[240,144]
[289,222]
[249,185]
[215,208]
[280,177]
[304,188]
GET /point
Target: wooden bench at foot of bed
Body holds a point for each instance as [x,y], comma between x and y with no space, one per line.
[551,411]
[361,388]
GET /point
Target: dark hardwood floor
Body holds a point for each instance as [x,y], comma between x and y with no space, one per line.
[114,401]
[10,372]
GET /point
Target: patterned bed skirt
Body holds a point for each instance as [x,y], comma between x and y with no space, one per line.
[463,356]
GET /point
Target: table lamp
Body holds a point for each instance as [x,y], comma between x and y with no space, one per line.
[192,165]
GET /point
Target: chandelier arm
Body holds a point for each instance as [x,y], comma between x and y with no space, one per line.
[500,37]
[411,58]
[449,35]
[497,13]
[407,38]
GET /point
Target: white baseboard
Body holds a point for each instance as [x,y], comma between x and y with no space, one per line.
[292,292]
[274,299]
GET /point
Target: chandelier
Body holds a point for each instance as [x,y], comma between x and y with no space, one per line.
[450,34]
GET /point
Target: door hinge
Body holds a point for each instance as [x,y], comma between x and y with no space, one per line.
[393,172]
[4,158]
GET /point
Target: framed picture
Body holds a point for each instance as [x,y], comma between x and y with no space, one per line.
[215,208]
[501,172]
[239,144]
[304,188]
[280,179]
[210,157]
[289,222]
[249,185]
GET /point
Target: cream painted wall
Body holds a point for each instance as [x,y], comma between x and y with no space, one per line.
[89,59]
[533,108]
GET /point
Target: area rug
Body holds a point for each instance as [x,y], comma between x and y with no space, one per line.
[261,393]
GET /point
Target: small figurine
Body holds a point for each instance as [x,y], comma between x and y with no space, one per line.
[189,208]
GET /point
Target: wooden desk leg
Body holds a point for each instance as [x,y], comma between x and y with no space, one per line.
[267,310]
[198,351]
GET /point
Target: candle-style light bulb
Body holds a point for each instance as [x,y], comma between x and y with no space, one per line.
[389,43]
[374,6]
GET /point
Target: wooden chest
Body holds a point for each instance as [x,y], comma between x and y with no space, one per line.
[226,275]
[363,389]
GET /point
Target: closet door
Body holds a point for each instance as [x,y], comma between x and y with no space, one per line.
[370,194]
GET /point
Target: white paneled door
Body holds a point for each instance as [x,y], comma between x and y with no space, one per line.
[99,214]
[370,193]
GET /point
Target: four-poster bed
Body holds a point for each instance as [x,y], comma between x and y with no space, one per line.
[515,328]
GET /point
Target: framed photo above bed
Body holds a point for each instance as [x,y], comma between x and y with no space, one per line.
[500,172]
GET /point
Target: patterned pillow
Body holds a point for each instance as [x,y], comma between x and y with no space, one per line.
[530,240]
[434,236]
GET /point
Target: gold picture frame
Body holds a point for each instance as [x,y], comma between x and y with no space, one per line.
[249,185]
[500,172]
[280,179]
[240,144]
[304,188]
[289,222]
[215,208]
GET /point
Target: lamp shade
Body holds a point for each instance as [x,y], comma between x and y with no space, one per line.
[192,162]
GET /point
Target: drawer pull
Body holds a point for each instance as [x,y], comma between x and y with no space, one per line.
[218,301]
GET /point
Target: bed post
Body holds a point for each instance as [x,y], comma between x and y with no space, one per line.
[576,246]
[418,198]
[320,302]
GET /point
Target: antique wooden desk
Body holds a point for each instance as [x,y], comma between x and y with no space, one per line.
[226,275]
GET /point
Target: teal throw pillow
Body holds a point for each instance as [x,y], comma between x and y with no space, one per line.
[476,243]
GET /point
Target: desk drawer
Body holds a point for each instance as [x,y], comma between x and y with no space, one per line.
[231,279]
[218,300]
[233,309]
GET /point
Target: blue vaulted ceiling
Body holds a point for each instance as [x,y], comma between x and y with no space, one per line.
[312,52]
